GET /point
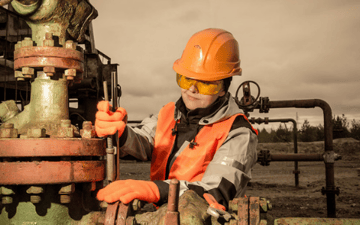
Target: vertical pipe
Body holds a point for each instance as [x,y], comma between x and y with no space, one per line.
[115,106]
[110,160]
[296,164]
[172,215]
[329,164]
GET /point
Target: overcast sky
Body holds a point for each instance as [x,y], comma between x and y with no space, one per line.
[293,49]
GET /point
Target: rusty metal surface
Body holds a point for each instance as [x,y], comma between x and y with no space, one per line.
[111,212]
[317,221]
[45,172]
[49,61]
[243,211]
[172,214]
[46,51]
[254,210]
[43,147]
[123,213]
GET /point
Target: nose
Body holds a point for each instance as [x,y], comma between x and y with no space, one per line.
[193,89]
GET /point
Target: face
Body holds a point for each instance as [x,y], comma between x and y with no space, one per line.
[193,99]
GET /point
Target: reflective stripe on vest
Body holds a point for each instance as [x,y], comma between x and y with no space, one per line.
[191,163]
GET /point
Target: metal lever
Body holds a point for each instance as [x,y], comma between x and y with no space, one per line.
[110,157]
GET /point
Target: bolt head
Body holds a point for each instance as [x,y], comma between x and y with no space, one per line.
[8,133]
[36,132]
[18,74]
[27,70]
[35,199]
[84,133]
[69,44]
[27,42]
[49,69]
[70,72]
[6,200]
[65,199]
[68,189]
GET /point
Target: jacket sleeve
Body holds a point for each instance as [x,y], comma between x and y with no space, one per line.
[229,172]
[139,141]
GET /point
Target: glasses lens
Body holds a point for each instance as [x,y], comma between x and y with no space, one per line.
[204,87]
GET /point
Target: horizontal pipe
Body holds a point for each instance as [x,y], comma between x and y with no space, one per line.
[297,157]
[311,103]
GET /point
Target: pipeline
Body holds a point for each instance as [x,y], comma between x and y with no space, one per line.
[329,155]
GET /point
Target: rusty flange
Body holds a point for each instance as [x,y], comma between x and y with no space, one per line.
[119,213]
[45,172]
[43,147]
[39,61]
[45,51]
[49,58]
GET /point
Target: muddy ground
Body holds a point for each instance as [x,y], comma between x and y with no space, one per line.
[276,182]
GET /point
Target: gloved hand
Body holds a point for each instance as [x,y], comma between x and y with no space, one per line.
[128,190]
[107,122]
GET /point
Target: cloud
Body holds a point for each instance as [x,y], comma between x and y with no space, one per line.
[292,49]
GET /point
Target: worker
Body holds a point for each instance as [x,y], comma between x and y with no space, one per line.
[204,140]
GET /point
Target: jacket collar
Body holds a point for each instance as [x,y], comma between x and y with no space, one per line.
[221,109]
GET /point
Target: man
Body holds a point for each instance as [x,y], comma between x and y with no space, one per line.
[203,139]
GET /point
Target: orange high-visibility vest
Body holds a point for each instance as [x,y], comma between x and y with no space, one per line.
[191,163]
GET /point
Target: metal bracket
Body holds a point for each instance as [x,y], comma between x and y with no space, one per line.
[334,190]
[264,158]
[329,157]
[264,105]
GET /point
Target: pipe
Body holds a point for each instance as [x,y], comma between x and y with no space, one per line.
[328,156]
[114,95]
[110,158]
[296,157]
[266,120]
[172,213]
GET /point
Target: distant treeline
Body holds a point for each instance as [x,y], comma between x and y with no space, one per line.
[308,133]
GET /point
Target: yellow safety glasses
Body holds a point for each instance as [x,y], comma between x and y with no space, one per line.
[204,87]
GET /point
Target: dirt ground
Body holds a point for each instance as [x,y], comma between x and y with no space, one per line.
[276,182]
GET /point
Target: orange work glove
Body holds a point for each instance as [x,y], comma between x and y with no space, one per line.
[107,122]
[128,190]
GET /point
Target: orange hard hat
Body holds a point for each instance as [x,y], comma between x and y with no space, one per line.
[209,55]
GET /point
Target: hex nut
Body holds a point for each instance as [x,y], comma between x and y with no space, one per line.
[36,132]
[65,123]
[35,199]
[8,133]
[88,130]
[6,200]
[6,191]
[70,72]
[19,75]
[65,199]
[18,45]
[27,71]
[69,44]
[27,42]
[65,132]
[49,70]
[35,190]
[68,189]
